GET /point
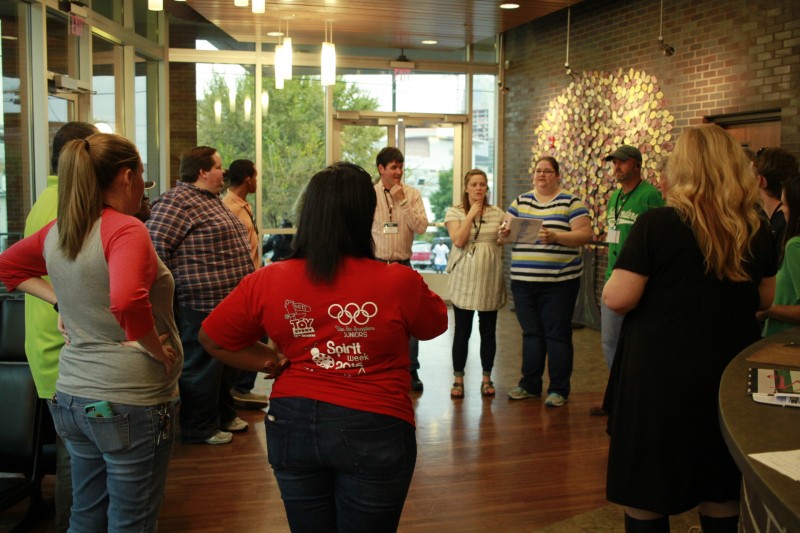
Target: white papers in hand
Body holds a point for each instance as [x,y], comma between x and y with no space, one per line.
[523,229]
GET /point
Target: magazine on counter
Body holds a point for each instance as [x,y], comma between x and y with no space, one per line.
[777,386]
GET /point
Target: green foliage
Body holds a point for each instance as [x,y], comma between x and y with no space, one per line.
[442,199]
[293,135]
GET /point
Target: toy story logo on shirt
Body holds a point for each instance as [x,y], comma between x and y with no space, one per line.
[296,315]
[353,318]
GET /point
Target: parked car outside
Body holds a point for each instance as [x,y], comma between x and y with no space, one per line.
[421,256]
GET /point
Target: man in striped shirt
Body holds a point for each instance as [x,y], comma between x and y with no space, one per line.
[399,215]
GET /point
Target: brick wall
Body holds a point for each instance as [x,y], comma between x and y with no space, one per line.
[731,56]
[182,97]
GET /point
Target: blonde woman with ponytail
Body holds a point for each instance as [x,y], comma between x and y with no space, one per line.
[689,280]
[117,386]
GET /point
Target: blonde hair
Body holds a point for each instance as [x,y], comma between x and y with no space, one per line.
[86,168]
[713,190]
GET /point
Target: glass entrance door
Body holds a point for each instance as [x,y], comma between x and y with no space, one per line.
[434,153]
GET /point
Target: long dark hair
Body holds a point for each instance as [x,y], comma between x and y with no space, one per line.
[335,220]
[791,193]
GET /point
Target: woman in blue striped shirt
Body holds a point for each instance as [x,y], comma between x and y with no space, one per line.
[545,279]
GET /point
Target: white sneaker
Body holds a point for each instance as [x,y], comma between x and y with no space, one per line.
[236,425]
[250,399]
[220,437]
[554,399]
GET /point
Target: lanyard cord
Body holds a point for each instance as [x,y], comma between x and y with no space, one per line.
[477,232]
[625,197]
[252,217]
[386,196]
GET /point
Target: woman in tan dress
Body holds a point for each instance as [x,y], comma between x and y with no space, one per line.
[476,277]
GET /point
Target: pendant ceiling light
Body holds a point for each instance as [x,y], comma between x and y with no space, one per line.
[328,58]
[240,3]
[279,66]
[259,6]
[665,48]
[278,59]
[155,5]
[287,55]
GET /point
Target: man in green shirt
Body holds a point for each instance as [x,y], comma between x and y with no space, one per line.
[43,341]
[633,197]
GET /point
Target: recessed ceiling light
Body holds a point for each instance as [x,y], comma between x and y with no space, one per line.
[430,41]
[275,34]
[509,6]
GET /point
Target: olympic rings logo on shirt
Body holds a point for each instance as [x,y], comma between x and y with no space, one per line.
[352,313]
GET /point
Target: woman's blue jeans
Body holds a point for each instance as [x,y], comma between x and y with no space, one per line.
[544,311]
[119,464]
[339,469]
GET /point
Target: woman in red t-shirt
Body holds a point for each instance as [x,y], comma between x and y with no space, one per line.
[340,428]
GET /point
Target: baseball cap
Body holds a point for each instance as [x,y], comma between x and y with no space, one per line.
[148,184]
[625,152]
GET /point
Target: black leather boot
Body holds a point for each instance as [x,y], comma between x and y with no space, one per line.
[710,524]
[634,525]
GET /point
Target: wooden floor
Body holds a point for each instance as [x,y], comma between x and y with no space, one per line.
[483,464]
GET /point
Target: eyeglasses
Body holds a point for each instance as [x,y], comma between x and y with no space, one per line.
[544,171]
[761,151]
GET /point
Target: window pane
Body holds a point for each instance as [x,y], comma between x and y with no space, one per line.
[225,107]
[103,83]
[485,51]
[111,9]
[484,120]
[407,91]
[62,48]
[146,116]
[187,30]
[293,142]
[360,145]
[15,169]
[429,168]
[145,21]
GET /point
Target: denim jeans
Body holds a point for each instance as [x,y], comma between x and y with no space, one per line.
[119,464]
[205,383]
[487,326]
[246,381]
[544,311]
[63,487]
[610,326]
[339,469]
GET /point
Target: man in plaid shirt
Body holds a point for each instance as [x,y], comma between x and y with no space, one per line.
[207,250]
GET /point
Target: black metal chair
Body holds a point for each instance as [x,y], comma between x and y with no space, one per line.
[21,412]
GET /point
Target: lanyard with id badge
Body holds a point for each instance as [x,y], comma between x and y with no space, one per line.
[389,228]
[613,234]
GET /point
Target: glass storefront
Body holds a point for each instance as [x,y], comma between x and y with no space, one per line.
[104,84]
[15,169]
[146,83]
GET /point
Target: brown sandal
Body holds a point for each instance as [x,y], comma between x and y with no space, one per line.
[458,390]
[487,388]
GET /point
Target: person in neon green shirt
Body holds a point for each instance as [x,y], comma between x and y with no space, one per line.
[784,313]
[43,341]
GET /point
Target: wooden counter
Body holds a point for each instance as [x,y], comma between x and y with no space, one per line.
[769,498]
